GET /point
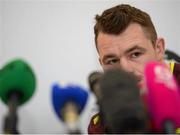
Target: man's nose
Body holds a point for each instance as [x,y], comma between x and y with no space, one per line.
[126,65]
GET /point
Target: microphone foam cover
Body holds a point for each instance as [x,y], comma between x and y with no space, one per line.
[72,93]
[120,105]
[17,77]
[162,95]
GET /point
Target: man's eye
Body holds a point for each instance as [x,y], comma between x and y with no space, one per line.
[112,61]
[136,55]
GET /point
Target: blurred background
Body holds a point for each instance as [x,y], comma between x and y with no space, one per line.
[56,38]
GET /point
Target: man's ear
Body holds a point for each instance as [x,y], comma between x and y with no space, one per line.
[160,49]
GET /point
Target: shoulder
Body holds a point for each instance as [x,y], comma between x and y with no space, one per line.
[95,125]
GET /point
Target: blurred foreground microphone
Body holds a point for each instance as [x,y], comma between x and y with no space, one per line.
[170,55]
[68,103]
[17,85]
[121,106]
[94,83]
[162,98]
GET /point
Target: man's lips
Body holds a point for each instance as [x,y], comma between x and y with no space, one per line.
[140,83]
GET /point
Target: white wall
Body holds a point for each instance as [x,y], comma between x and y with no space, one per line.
[1,36]
[2,108]
[56,38]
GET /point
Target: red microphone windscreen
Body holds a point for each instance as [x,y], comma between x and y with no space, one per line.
[162,95]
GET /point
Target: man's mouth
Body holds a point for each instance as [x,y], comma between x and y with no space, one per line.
[140,82]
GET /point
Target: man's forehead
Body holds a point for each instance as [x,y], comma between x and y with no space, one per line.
[132,36]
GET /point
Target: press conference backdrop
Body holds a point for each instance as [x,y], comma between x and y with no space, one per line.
[56,38]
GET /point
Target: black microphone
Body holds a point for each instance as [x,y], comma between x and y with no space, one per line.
[17,85]
[170,55]
[93,81]
[121,105]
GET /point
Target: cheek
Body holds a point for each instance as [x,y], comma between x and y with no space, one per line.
[138,68]
[105,68]
[147,57]
[140,65]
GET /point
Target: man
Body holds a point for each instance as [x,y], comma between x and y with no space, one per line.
[126,38]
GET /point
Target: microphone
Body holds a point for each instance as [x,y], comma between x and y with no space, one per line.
[170,55]
[121,106]
[17,85]
[93,80]
[68,103]
[162,98]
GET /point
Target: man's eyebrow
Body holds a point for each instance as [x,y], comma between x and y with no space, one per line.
[135,48]
[108,56]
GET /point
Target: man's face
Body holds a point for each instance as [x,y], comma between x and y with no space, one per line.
[130,50]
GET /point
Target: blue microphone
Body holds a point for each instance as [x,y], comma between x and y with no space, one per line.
[68,103]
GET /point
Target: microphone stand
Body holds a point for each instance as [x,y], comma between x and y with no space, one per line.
[71,116]
[169,127]
[11,119]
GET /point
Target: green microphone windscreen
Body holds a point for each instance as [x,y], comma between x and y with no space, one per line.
[17,77]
